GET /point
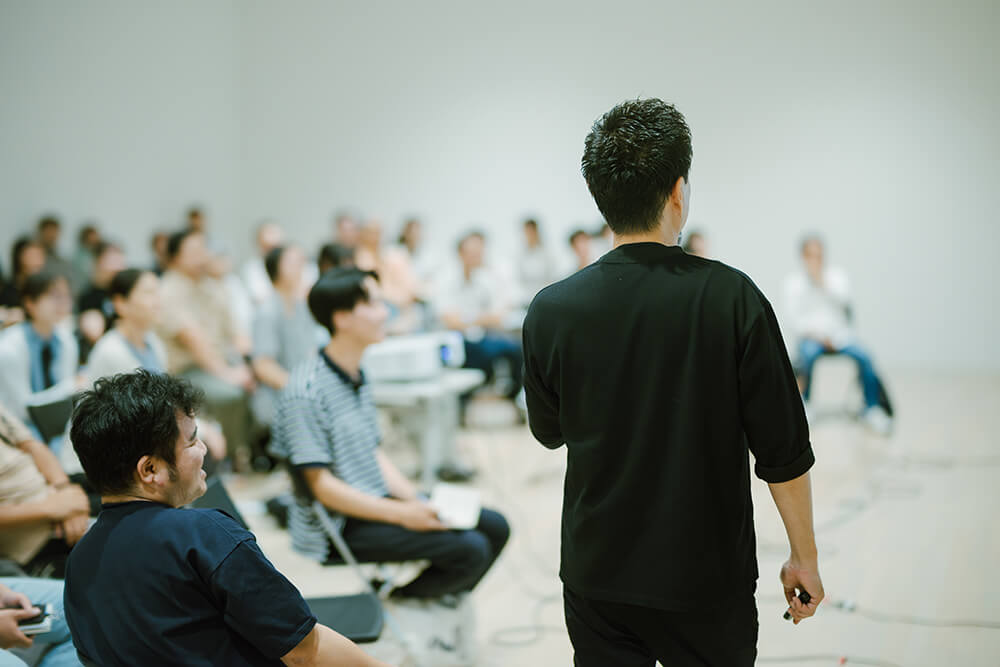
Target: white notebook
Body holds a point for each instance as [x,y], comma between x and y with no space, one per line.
[457,506]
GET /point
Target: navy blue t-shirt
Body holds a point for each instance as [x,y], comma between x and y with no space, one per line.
[151,584]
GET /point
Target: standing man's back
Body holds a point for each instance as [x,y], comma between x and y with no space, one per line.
[658,369]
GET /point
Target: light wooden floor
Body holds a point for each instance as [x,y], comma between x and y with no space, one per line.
[907,526]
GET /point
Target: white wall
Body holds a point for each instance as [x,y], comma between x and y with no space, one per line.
[873,123]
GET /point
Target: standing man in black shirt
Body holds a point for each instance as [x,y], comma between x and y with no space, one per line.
[154,584]
[659,370]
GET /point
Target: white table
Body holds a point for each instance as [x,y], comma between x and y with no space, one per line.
[429,410]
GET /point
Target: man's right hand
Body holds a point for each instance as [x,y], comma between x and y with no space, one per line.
[418,516]
[795,578]
[10,634]
[66,502]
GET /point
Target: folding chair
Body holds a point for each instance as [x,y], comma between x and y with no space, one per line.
[51,418]
[358,617]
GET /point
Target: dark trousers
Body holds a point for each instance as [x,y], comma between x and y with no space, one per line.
[459,558]
[611,633]
[483,353]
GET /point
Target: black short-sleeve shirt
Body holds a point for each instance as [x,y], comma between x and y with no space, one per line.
[154,585]
[659,371]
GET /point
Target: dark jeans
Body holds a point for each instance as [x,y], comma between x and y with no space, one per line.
[459,558]
[810,351]
[483,353]
[612,633]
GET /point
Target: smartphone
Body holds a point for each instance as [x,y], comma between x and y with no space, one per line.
[39,624]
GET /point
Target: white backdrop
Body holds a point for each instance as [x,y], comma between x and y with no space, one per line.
[872,123]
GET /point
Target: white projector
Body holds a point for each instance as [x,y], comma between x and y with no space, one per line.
[413,357]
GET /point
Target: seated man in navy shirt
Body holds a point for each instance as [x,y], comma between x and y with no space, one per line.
[154,584]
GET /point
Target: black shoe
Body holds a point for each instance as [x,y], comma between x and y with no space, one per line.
[455,472]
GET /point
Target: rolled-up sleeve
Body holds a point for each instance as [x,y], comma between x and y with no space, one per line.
[771,408]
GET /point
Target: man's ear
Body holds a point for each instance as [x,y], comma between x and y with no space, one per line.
[339,319]
[146,469]
[677,192]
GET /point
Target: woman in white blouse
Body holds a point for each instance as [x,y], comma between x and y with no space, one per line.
[131,343]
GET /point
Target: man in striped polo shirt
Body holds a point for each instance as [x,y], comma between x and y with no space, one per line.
[325,427]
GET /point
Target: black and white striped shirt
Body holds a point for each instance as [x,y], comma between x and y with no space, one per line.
[325,418]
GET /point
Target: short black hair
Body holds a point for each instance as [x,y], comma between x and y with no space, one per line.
[49,221]
[39,283]
[124,282]
[125,417]
[16,263]
[576,234]
[632,158]
[272,260]
[334,255]
[176,240]
[338,290]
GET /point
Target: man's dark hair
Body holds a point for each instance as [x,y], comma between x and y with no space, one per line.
[124,282]
[16,263]
[85,232]
[272,261]
[125,417]
[176,240]
[48,221]
[338,290]
[632,158]
[334,255]
[577,234]
[532,223]
[39,283]
[475,234]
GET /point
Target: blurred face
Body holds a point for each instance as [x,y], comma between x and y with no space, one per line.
[110,262]
[142,306]
[186,481]
[366,323]
[269,237]
[192,258]
[196,221]
[49,235]
[531,235]
[581,247]
[812,257]
[32,260]
[371,234]
[91,238]
[347,232]
[413,234]
[291,267]
[472,251]
[53,306]
[699,246]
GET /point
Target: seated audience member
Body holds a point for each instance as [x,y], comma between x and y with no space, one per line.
[132,344]
[255,279]
[399,284]
[203,341]
[345,230]
[334,255]
[187,586]
[696,244]
[411,241]
[94,303]
[220,269]
[579,244]
[17,595]
[818,311]
[48,233]
[158,244]
[326,428]
[27,258]
[535,267]
[468,301]
[284,333]
[39,356]
[87,242]
[42,513]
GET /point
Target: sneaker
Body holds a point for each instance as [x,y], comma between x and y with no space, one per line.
[877,421]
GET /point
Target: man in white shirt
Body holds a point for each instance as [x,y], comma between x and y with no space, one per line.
[470,301]
[818,309]
[535,267]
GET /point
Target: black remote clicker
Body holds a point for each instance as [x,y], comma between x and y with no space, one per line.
[804,598]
